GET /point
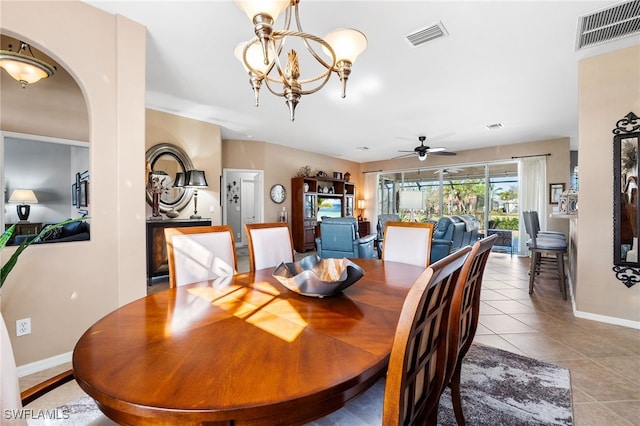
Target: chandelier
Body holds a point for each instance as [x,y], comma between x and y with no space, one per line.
[23,66]
[261,55]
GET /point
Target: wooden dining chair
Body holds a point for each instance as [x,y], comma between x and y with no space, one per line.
[408,242]
[466,301]
[269,244]
[200,253]
[416,376]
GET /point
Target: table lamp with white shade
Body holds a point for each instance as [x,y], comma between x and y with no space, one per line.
[411,200]
[360,205]
[24,197]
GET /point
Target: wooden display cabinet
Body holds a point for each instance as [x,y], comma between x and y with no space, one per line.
[304,206]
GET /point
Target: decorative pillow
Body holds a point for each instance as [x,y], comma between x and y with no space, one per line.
[70,228]
[54,234]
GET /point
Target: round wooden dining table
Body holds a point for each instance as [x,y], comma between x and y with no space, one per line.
[242,350]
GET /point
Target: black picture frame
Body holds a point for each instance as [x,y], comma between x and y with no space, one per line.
[83,194]
[555,190]
[74,195]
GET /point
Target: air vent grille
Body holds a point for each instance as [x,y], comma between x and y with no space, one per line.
[615,22]
[427,34]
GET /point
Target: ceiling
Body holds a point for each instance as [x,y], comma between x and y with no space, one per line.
[508,62]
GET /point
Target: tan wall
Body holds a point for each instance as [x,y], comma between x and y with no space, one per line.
[557,164]
[280,164]
[609,89]
[201,141]
[65,288]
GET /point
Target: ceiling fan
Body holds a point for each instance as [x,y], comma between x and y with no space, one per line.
[447,171]
[422,151]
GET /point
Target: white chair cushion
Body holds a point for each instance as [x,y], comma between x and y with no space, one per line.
[406,244]
[200,257]
[271,246]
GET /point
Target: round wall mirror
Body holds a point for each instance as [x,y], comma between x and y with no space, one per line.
[166,161]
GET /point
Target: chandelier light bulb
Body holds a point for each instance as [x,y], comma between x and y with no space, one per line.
[253,8]
[254,56]
[347,44]
[263,13]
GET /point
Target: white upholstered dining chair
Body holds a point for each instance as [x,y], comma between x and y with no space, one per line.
[200,253]
[408,242]
[269,244]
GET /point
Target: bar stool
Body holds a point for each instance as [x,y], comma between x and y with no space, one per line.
[545,251]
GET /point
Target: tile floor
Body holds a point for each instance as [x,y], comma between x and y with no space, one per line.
[604,359]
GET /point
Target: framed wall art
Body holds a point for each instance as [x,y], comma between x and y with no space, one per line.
[555,190]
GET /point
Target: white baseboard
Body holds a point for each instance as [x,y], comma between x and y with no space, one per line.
[43,364]
[606,319]
[600,318]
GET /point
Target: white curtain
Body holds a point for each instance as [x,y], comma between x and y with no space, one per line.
[532,194]
[371,198]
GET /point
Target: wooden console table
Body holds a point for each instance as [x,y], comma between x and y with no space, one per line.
[23,228]
[157,265]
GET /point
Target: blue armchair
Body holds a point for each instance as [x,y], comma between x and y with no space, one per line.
[339,238]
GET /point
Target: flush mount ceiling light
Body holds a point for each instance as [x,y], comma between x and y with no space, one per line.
[261,55]
[23,66]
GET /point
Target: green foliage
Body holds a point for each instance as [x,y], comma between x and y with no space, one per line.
[8,266]
[511,223]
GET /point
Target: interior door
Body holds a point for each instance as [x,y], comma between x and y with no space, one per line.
[242,193]
[248,206]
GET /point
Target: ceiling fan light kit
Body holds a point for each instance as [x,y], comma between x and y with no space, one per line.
[23,66]
[261,55]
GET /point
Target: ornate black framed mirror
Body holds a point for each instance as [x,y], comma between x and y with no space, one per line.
[165,161]
[626,221]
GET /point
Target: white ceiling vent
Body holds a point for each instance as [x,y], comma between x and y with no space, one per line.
[427,34]
[612,23]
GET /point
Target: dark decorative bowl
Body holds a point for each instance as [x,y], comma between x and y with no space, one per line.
[316,277]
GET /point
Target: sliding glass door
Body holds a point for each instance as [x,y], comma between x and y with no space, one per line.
[488,191]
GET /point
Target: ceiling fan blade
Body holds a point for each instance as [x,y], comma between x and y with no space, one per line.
[400,150]
[432,150]
[403,156]
[442,153]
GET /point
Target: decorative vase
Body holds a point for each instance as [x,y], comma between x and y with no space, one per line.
[347,176]
[155,206]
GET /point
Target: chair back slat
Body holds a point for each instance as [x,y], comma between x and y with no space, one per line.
[467,296]
[418,361]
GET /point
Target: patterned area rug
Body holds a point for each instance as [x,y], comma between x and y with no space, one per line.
[502,388]
[498,388]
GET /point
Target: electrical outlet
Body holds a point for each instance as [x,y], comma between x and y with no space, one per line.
[23,327]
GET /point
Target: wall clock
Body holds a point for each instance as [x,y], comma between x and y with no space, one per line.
[278,193]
